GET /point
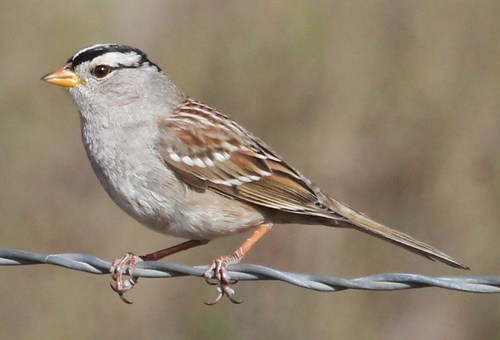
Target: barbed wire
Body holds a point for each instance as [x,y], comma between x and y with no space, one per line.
[251,272]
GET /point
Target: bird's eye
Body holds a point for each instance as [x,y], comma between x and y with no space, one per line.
[101,71]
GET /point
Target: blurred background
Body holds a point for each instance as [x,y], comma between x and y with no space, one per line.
[390,106]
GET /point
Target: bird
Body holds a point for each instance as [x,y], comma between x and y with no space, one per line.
[184,169]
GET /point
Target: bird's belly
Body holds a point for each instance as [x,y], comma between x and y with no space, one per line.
[161,202]
[143,186]
[208,215]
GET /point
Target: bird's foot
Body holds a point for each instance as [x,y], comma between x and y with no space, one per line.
[120,267]
[217,275]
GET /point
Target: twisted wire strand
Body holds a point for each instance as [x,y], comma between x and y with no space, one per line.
[250,272]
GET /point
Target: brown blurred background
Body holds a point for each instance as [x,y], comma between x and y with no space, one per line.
[391,106]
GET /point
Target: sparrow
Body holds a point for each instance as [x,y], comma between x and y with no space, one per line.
[185,169]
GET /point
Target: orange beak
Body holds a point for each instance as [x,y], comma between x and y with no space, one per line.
[63,76]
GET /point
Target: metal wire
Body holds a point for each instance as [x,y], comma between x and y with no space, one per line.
[249,272]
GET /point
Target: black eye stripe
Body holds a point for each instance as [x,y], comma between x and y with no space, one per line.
[101,71]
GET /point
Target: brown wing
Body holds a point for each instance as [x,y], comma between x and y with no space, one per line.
[210,151]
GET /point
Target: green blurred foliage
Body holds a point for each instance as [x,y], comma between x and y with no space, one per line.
[391,106]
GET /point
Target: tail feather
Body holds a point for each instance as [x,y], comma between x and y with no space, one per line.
[366,225]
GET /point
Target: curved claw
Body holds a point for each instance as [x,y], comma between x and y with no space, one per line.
[233,300]
[232,281]
[217,299]
[120,294]
[224,290]
[211,281]
[230,294]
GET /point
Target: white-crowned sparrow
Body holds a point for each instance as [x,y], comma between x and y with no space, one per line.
[186,170]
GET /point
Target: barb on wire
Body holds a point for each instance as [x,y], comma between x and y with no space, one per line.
[249,272]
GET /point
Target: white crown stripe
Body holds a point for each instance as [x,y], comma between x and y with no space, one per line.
[115,59]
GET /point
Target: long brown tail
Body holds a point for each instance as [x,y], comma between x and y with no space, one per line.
[366,225]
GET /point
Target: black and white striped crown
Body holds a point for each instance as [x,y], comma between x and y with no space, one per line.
[113,54]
